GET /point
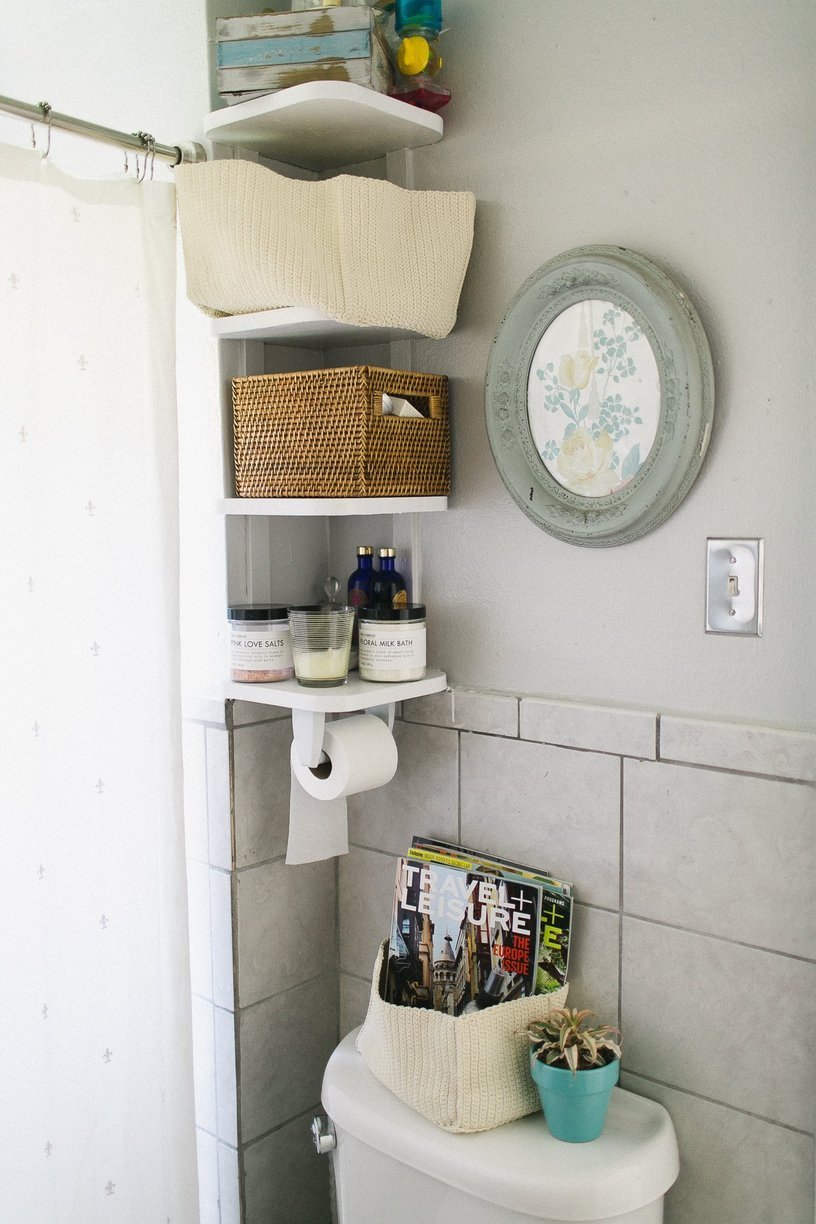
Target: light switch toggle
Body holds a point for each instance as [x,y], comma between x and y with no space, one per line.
[734,586]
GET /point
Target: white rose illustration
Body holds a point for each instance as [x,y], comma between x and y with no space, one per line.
[584,464]
[576,369]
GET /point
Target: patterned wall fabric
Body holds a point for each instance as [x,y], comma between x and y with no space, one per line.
[96,1118]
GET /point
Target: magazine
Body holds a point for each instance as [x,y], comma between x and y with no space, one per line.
[556,909]
[489,860]
[461,940]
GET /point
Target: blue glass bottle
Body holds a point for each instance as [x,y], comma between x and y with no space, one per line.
[359,592]
[388,589]
[359,583]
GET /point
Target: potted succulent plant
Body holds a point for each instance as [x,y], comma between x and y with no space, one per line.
[575,1067]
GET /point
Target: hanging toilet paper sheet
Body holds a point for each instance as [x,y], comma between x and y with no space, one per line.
[360,755]
[318,828]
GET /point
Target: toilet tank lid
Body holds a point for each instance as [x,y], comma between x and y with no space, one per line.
[519,1166]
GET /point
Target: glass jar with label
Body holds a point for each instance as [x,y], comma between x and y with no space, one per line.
[260,644]
[392,643]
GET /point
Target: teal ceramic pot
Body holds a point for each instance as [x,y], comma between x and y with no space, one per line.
[575,1105]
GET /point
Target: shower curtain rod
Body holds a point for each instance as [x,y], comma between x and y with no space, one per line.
[141,142]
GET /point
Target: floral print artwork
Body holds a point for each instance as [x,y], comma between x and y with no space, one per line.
[593,398]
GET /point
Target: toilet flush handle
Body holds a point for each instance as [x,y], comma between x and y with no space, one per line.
[323,1135]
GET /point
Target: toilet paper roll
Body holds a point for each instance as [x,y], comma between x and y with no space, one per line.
[361,755]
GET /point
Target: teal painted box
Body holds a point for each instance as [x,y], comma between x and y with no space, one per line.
[272,51]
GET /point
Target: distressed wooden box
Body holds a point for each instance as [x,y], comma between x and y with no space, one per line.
[271,51]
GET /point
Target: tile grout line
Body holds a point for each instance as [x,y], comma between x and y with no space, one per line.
[328,975]
[699,1096]
[305,1113]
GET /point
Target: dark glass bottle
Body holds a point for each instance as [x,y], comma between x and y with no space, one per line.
[359,593]
[388,589]
[359,583]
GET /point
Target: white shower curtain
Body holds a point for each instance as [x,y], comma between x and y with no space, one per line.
[96,1114]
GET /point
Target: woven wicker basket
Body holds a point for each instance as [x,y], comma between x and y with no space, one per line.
[322,433]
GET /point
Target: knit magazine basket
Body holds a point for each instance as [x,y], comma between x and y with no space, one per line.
[361,250]
[463,1073]
[322,433]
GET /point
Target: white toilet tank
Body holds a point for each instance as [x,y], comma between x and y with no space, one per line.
[392,1165]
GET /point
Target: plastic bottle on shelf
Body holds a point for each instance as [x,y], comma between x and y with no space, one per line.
[388,590]
[417,61]
[359,592]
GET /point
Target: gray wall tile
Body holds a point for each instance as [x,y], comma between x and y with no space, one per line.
[286,926]
[467,710]
[599,728]
[261,786]
[559,807]
[285,1181]
[353,1002]
[728,1022]
[594,959]
[554,808]
[285,1044]
[762,750]
[721,853]
[245,712]
[734,1169]
[435,710]
[366,885]
[422,797]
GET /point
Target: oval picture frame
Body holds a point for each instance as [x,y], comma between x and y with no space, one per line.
[595,442]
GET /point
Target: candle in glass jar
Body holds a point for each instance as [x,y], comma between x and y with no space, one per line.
[329,664]
[321,640]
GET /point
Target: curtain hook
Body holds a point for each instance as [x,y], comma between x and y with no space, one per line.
[33,137]
[45,107]
[127,167]
[149,146]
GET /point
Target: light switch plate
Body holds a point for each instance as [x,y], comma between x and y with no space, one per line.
[734,586]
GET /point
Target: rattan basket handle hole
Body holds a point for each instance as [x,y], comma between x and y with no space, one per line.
[429,405]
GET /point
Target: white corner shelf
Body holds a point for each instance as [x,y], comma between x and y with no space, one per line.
[321,125]
[333,507]
[355,694]
[304,327]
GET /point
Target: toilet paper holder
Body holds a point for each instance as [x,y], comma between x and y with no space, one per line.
[309,726]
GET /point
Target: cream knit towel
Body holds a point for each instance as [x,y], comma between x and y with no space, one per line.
[361,250]
[464,1073]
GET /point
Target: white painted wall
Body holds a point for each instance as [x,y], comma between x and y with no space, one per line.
[684,132]
[679,131]
[123,65]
